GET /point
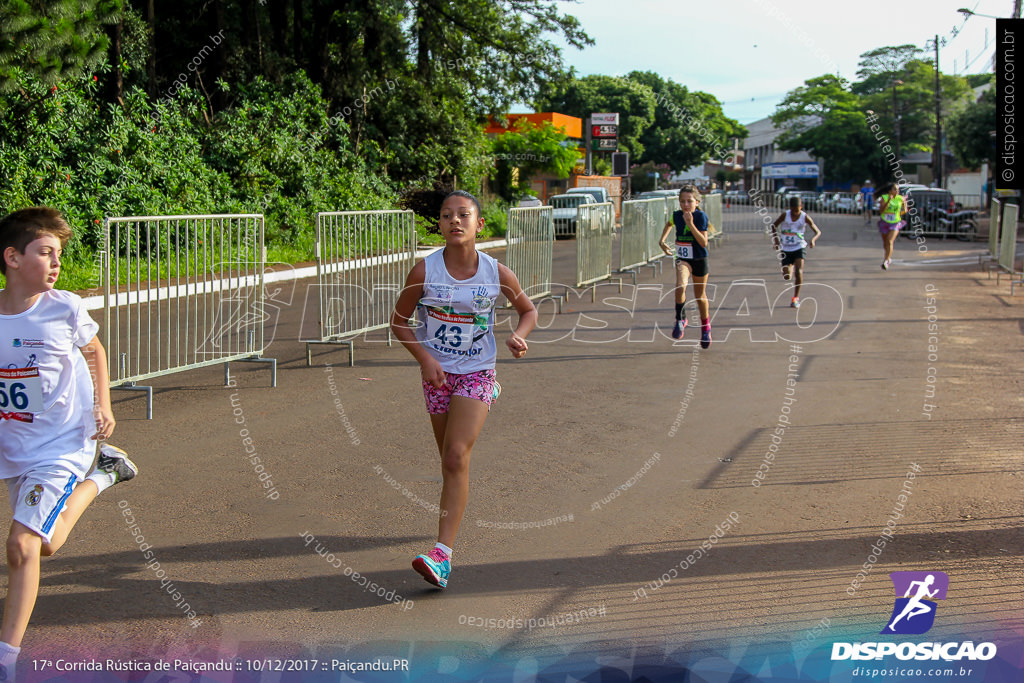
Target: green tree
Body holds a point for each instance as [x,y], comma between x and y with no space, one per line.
[581,97]
[878,68]
[688,128]
[824,117]
[527,150]
[899,86]
[642,180]
[53,39]
[970,132]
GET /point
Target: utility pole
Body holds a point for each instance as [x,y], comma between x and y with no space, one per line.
[938,117]
[896,117]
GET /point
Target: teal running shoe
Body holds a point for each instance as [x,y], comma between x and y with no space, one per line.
[434,567]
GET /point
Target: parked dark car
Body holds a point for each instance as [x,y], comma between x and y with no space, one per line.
[930,204]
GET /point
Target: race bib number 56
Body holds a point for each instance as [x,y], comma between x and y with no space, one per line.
[21,390]
[684,250]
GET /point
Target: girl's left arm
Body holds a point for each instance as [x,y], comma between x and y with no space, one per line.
[524,307]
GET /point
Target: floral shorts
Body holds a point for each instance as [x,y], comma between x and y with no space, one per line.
[884,227]
[481,385]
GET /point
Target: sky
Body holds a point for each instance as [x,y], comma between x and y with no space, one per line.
[750,53]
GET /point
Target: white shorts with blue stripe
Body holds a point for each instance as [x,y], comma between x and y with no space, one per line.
[39,495]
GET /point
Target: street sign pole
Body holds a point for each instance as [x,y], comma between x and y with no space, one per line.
[589,157]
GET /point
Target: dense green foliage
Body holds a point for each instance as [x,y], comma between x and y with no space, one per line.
[970,131]
[526,150]
[65,147]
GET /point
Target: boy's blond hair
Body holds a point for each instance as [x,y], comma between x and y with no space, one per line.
[20,228]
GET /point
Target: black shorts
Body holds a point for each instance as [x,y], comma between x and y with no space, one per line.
[788,258]
[698,266]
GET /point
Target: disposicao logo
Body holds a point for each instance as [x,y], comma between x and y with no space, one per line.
[913,613]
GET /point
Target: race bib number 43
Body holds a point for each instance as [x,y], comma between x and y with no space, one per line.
[684,250]
[21,390]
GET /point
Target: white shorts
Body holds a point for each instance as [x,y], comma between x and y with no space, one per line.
[38,497]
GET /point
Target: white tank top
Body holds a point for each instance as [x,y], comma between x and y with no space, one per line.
[791,232]
[457,316]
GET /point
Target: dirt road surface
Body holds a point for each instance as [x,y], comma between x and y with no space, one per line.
[801,440]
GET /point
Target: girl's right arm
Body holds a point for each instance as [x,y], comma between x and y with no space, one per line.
[405,306]
[664,234]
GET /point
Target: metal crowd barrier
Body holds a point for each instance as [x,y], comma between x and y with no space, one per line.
[754,214]
[712,206]
[1008,245]
[990,261]
[635,216]
[658,215]
[531,237]
[362,260]
[595,227]
[182,292]
[995,226]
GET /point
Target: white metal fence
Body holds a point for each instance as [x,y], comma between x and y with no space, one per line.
[595,225]
[712,206]
[636,214]
[530,236]
[994,228]
[182,292]
[657,216]
[362,260]
[1008,244]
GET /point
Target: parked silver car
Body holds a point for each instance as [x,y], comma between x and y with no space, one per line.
[565,213]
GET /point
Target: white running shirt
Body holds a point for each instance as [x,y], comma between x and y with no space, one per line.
[457,316]
[46,401]
[791,233]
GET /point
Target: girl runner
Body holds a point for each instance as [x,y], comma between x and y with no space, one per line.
[453,292]
[892,207]
[691,252]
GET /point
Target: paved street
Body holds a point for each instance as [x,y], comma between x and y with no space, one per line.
[611,456]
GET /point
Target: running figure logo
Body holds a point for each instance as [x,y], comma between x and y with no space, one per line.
[914,613]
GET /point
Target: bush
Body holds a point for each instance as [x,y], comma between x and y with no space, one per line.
[64,147]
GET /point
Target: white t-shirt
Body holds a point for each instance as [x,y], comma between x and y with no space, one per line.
[46,402]
[457,316]
[791,232]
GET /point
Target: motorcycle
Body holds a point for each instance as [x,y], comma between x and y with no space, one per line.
[959,224]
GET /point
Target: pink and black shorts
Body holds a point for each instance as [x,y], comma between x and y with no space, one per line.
[481,386]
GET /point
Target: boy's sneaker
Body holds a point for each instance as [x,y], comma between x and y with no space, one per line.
[705,337]
[434,567]
[885,264]
[795,303]
[677,331]
[115,462]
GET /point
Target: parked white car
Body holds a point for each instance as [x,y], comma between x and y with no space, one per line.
[599,194]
